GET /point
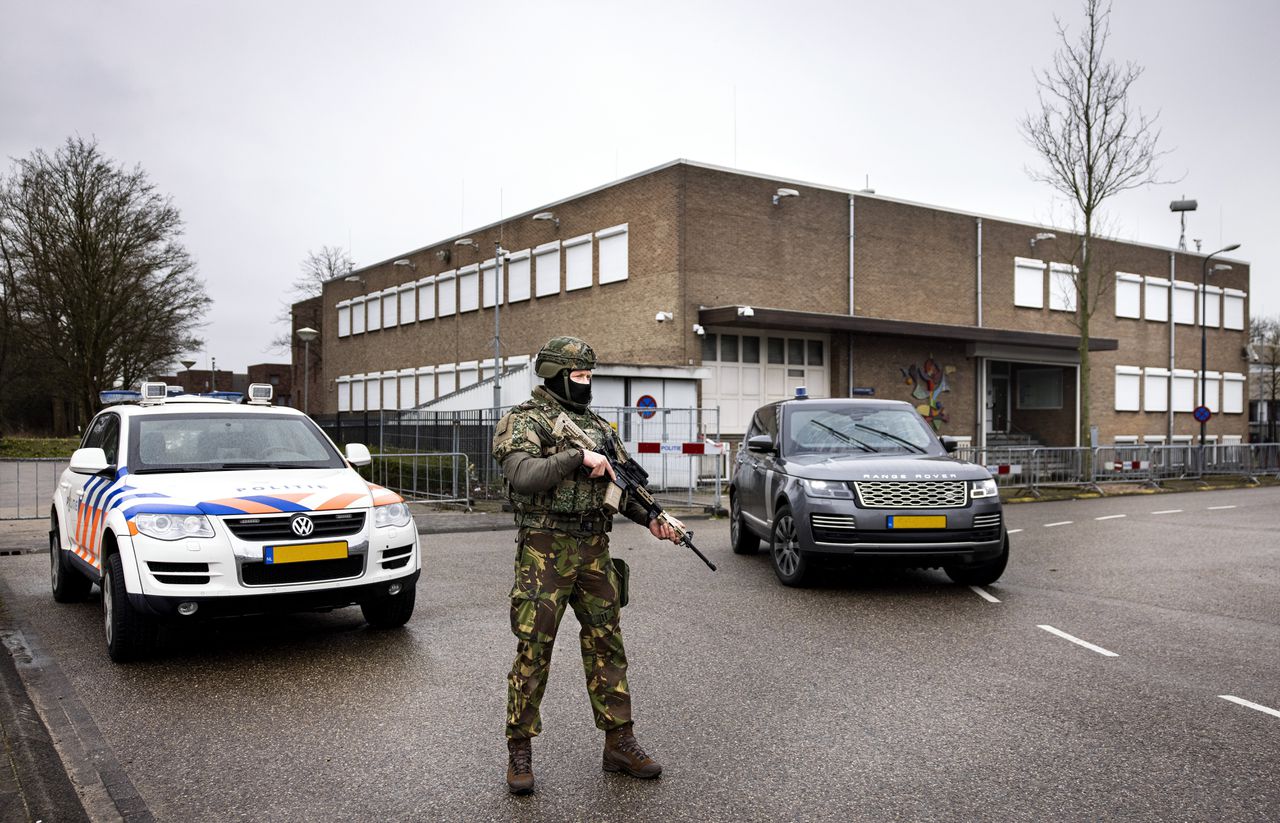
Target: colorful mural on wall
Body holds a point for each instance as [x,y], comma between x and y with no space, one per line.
[927,383]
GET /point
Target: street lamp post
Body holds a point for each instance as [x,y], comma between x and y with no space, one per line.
[306,334]
[1204,401]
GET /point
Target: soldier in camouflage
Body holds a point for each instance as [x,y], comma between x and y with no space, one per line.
[558,491]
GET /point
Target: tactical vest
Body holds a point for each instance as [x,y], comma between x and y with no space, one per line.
[576,503]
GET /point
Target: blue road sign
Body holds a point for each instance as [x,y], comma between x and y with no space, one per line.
[1202,414]
[647,405]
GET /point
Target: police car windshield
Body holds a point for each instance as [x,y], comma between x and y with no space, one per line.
[218,442]
[857,431]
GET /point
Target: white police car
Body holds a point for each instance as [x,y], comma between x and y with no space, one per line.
[186,506]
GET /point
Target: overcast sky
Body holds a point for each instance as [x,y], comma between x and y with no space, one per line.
[279,127]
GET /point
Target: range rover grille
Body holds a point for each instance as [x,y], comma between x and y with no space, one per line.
[925,494]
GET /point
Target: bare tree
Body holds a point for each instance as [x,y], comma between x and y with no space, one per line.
[102,288]
[1093,145]
[1264,341]
[317,268]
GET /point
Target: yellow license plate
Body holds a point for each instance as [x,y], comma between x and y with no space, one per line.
[918,521]
[303,552]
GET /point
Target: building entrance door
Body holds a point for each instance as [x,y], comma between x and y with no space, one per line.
[998,404]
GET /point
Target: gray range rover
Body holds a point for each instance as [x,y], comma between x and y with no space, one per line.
[862,479]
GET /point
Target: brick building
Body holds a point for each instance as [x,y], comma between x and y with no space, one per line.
[279,376]
[705,286]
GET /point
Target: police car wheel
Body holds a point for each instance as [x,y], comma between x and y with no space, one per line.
[789,563]
[68,584]
[983,574]
[130,634]
[390,611]
[740,537]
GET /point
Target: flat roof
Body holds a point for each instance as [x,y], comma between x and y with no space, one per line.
[766,318]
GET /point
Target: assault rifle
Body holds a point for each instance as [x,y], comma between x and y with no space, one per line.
[629,477]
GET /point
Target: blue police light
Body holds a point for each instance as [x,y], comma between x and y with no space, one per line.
[802,393]
[111,396]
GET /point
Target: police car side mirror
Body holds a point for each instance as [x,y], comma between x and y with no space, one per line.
[358,454]
[89,461]
[760,443]
[950,444]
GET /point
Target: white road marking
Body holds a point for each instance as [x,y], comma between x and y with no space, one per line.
[1250,705]
[984,595]
[1111,517]
[1169,511]
[1217,508]
[1078,641]
[1059,523]
[1014,531]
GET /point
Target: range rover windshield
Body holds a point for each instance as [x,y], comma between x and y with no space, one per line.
[853,432]
[227,442]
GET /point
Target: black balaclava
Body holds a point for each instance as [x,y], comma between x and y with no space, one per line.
[576,396]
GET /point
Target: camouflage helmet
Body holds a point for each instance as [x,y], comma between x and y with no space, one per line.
[563,353]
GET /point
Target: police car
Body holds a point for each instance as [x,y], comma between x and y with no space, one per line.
[862,479]
[183,507]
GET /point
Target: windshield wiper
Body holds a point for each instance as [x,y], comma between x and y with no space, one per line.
[233,466]
[895,438]
[175,469]
[852,441]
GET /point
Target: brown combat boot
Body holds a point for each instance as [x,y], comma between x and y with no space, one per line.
[623,754]
[520,765]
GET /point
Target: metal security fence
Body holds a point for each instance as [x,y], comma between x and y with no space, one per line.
[26,486]
[1039,467]
[423,477]
[679,448]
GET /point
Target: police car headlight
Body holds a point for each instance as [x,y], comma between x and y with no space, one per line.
[827,488]
[984,488]
[173,526]
[392,514]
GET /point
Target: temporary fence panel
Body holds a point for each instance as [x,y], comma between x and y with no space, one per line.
[26,486]
[428,477]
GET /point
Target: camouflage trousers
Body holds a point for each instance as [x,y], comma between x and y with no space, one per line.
[555,569]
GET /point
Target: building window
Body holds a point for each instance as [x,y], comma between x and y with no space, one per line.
[357,315]
[1232,393]
[1184,390]
[389,390]
[344,394]
[1028,283]
[373,393]
[426,384]
[1212,391]
[390,308]
[447,377]
[1040,389]
[344,318]
[1211,307]
[613,253]
[406,388]
[546,269]
[1062,287]
[728,348]
[518,276]
[1128,388]
[468,373]
[1156,297]
[751,349]
[815,352]
[491,278]
[427,298]
[373,306]
[1155,390]
[447,298]
[468,288]
[577,263]
[795,352]
[1233,309]
[1128,295]
[1184,303]
[406,303]
[777,351]
[708,347]
[357,392]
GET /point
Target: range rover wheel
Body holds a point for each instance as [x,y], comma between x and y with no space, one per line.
[130,634]
[982,574]
[789,563]
[68,584]
[390,611]
[741,538]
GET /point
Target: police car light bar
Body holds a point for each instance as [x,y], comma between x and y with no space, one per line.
[153,393]
[260,394]
[802,393]
[113,396]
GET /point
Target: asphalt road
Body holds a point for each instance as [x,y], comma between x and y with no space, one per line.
[886,696]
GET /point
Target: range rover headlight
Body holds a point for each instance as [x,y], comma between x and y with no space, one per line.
[984,488]
[827,488]
[392,514]
[173,526]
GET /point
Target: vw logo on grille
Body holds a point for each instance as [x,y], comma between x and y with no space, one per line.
[302,525]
